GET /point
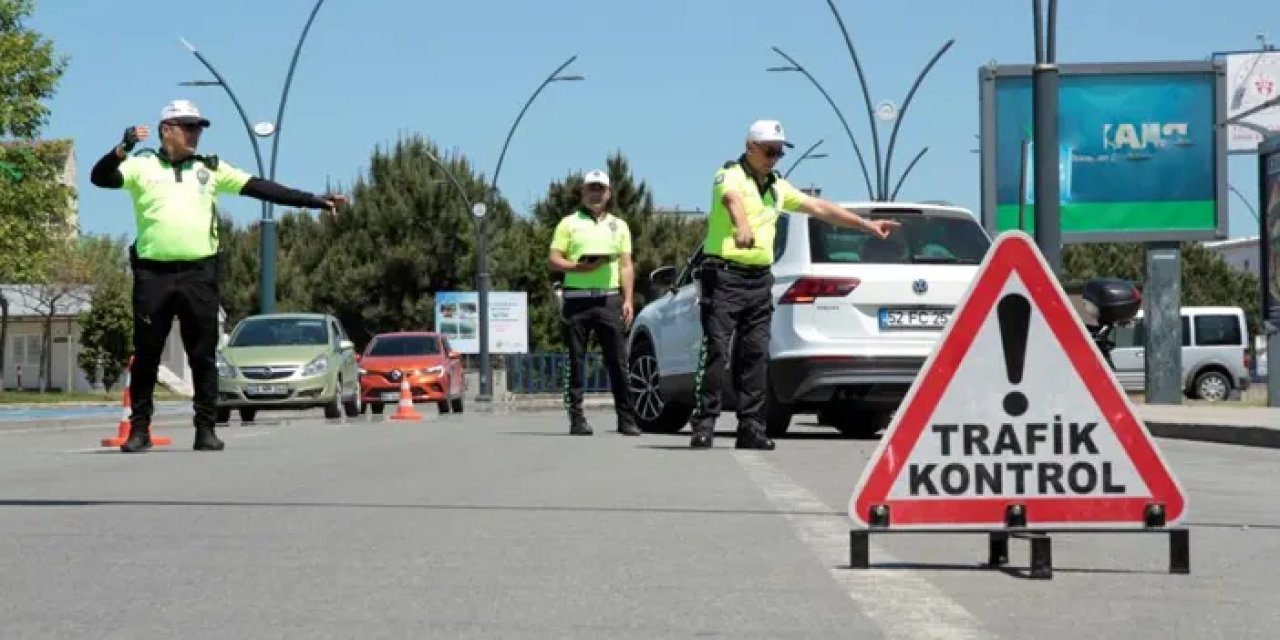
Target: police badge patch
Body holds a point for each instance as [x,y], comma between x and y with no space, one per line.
[203,176]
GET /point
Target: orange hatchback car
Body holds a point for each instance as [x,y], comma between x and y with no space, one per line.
[434,371]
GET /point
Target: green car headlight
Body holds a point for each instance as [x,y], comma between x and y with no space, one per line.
[225,368]
[317,366]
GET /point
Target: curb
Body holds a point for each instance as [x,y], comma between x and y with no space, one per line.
[1237,434]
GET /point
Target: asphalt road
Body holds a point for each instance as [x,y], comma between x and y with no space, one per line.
[502,526]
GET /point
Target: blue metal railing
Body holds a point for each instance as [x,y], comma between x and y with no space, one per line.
[543,373]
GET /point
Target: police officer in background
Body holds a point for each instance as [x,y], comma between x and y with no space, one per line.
[592,247]
[175,256]
[736,282]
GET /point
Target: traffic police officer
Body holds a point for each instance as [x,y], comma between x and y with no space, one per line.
[175,255]
[736,281]
[592,247]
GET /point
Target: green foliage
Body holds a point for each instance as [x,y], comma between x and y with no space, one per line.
[1207,279]
[408,233]
[29,72]
[107,327]
[107,333]
[34,207]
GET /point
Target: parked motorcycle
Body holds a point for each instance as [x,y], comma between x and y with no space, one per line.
[1109,302]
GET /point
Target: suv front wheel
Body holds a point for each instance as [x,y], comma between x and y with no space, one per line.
[644,382]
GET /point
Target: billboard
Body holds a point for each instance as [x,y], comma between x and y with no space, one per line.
[1253,78]
[1141,157]
[457,316]
[1269,199]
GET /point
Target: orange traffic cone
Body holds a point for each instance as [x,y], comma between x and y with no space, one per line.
[406,411]
[122,429]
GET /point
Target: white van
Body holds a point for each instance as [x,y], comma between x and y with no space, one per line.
[1215,342]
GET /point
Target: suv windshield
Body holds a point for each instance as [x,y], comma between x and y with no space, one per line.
[405,346]
[922,239]
[270,332]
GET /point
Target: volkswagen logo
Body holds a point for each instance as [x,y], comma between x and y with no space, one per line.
[266,371]
[920,286]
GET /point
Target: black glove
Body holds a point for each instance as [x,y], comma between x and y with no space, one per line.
[130,139]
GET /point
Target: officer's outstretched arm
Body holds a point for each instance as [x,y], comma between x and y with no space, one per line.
[276,193]
[835,214]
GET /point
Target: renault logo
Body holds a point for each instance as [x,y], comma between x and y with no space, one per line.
[920,286]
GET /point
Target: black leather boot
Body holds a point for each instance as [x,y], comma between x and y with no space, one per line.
[703,436]
[206,440]
[753,437]
[139,440]
[580,428]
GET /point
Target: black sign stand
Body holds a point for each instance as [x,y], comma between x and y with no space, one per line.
[1016,527]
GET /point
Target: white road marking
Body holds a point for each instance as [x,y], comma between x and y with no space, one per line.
[902,605]
[252,434]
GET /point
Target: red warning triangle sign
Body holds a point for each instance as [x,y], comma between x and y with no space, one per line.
[1016,406]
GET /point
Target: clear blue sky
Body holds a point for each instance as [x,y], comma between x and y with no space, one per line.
[671,83]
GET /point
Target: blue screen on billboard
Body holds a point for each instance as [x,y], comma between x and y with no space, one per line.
[1138,152]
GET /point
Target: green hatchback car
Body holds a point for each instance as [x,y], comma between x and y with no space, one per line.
[288,361]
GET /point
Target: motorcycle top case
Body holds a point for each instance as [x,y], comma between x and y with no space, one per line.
[1116,301]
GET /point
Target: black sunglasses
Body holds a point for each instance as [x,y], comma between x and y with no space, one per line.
[771,152]
[186,126]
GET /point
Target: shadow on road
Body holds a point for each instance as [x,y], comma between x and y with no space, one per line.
[720,434]
[1008,570]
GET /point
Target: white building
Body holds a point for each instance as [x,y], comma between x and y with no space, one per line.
[1241,253]
[29,306]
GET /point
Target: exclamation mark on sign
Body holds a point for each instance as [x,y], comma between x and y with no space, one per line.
[1014,314]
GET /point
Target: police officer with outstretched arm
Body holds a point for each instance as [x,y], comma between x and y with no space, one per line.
[175,255]
[592,247]
[736,281]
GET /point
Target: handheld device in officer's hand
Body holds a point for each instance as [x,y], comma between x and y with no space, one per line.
[595,258]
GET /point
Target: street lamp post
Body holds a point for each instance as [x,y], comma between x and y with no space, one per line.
[263,129]
[478,212]
[796,66]
[1246,202]
[808,154]
[880,191]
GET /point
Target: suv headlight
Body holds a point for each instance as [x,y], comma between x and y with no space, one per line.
[225,368]
[432,371]
[317,366]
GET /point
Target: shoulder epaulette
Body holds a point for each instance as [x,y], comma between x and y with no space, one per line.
[143,153]
[729,164]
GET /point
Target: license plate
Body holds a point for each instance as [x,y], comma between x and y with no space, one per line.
[268,389]
[914,318]
[390,396]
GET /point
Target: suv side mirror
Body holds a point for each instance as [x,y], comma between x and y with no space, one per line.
[662,279]
[454,355]
[346,345]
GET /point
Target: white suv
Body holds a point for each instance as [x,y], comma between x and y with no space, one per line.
[854,319]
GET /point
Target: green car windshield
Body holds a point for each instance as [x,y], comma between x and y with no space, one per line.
[274,332]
